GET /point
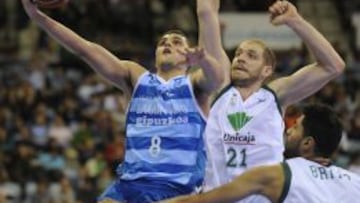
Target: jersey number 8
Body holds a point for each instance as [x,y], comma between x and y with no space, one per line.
[155,148]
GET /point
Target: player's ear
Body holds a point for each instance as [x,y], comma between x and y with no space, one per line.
[267,71]
[309,143]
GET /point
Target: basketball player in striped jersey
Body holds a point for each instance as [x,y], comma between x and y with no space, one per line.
[165,154]
[245,125]
[302,178]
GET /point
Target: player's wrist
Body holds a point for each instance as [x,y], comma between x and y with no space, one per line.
[295,21]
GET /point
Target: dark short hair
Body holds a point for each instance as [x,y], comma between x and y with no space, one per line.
[178,32]
[322,123]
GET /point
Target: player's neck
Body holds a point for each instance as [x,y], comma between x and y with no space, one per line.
[321,160]
[247,91]
[167,75]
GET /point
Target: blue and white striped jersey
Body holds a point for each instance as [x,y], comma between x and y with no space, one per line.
[164,133]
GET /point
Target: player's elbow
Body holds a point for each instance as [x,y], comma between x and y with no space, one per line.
[339,67]
[335,69]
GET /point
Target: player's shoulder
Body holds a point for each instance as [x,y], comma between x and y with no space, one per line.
[222,94]
[267,91]
[299,161]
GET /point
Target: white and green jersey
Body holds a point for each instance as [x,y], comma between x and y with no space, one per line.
[307,181]
[242,134]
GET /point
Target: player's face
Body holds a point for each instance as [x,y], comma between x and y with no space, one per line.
[248,64]
[167,55]
[294,136]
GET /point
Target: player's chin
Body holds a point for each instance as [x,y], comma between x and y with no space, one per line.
[238,76]
[288,154]
[166,65]
[167,58]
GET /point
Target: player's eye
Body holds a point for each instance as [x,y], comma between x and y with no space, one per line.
[252,55]
[177,42]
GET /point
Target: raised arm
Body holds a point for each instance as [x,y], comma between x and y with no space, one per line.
[123,74]
[265,180]
[209,77]
[310,78]
[210,33]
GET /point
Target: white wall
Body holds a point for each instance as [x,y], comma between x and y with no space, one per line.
[239,27]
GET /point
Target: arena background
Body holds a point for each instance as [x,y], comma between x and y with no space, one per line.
[62,126]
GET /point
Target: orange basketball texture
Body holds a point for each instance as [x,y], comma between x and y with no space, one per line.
[50,4]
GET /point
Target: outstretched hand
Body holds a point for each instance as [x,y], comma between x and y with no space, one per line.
[282,12]
[193,55]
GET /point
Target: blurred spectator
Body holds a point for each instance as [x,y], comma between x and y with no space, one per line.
[354,132]
[354,165]
[6,142]
[96,164]
[60,131]
[63,192]
[86,188]
[102,127]
[72,165]
[37,71]
[42,193]
[115,150]
[52,160]
[184,18]
[105,178]
[39,129]
[81,135]
[291,115]
[20,166]
[69,110]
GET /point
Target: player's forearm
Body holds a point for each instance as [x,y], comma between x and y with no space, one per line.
[231,192]
[225,194]
[66,37]
[324,53]
[214,75]
[210,32]
[209,27]
[267,181]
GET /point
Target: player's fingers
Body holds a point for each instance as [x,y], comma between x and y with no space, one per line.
[278,8]
[184,62]
[284,6]
[201,51]
[190,50]
[275,9]
[272,9]
[181,52]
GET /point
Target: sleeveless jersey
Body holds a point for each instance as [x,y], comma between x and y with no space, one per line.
[164,128]
[313,183]
[242,134]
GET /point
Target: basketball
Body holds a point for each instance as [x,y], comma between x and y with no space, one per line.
[50,4]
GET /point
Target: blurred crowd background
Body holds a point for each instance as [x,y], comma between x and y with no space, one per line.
[62,126]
